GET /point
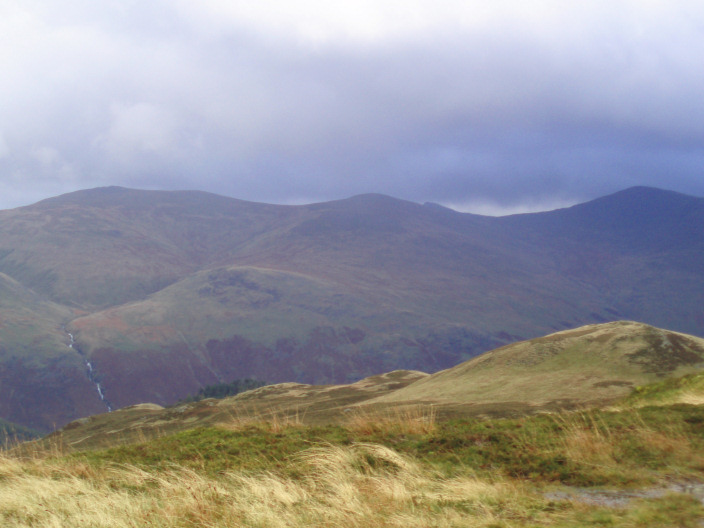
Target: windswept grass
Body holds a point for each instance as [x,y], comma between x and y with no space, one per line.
[357,486]
[402,470]
[589,448]
[413,419]
[360,485]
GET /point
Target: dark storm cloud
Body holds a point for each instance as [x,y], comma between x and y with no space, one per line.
[520,105]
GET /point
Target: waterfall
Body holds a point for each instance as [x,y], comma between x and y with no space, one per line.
[89,371]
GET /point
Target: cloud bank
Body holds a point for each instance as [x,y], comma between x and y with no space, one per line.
[486,106]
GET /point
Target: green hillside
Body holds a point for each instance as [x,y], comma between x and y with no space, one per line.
[688,389]
[576,469]
[595,363]
[586,367]
[299,455]
[43,380]
[29,323]
[166,292]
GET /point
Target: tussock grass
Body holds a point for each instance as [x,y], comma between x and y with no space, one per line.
[413,419]
[598,448]
[358,485]
[484,473]
[613,451]
[274,421]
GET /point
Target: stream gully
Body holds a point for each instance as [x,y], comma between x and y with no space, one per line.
[89,371]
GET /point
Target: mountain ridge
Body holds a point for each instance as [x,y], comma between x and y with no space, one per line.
[167,291]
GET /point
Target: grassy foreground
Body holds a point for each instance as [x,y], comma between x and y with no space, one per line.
[597,468]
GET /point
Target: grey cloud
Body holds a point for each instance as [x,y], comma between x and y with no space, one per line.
[562,109]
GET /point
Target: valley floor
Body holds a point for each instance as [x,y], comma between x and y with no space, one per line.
[633,468]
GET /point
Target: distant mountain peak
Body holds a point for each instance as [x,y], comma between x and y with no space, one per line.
[642,196]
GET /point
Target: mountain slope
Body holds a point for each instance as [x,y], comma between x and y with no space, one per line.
[42,380]
[639,219]
[104,247]
[586,365]
[643,248]
[215,325]
[164,292]
[288,402]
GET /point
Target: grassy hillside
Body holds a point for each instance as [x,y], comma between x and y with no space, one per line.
[29,322]
[688,389]
[591,364]
[220,302]
[108,246]
[300,455]
[585,367]
[276,404]
[239,321]
[166,292]
[641,247]
[639,469]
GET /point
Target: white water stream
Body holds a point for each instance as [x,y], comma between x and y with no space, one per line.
[90,372]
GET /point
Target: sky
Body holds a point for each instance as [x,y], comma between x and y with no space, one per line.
[493,107]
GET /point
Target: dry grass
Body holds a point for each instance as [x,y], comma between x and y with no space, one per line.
[414,419]
[356,486]
[692,397]
[462,474]
[588,440]
[275,421]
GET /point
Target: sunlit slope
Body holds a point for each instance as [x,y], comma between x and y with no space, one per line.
[589,366]
[688,389]
[279,404]
[586,365]
[245,321]
[30,326]
[256,303]
[107,246]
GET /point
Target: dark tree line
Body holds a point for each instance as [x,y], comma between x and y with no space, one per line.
[223,390]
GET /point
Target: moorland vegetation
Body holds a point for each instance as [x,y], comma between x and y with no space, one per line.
[631,468]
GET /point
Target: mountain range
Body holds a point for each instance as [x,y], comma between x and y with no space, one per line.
[111,297]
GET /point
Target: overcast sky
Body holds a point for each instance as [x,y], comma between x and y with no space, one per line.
[487,106]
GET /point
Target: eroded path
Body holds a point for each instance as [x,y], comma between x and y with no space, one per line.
[622,498]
